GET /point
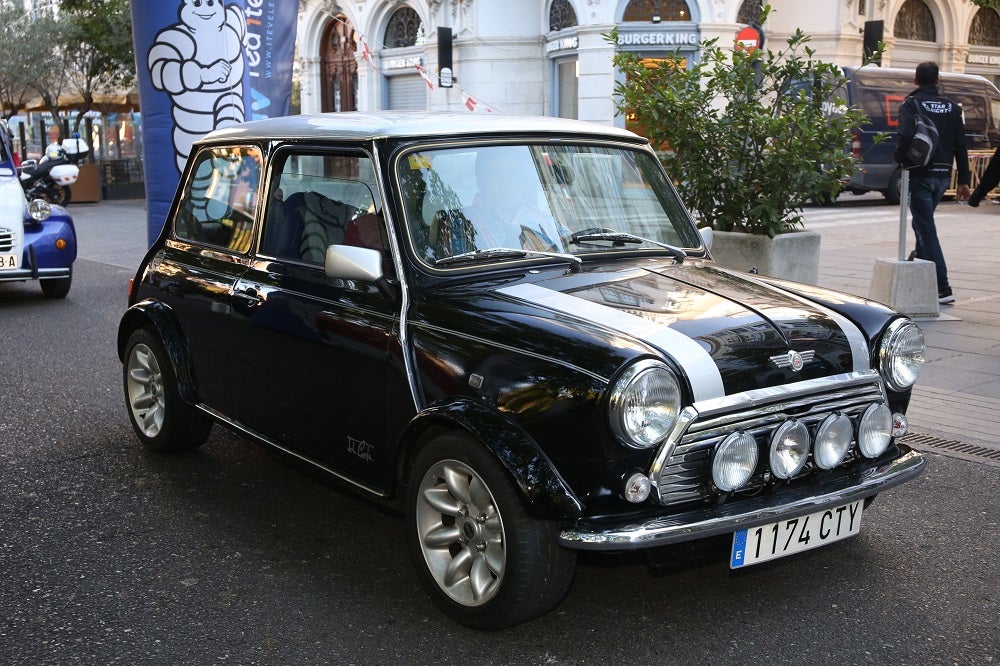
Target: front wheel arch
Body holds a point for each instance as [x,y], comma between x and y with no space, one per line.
[545,493]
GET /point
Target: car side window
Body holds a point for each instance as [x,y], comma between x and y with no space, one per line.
[219,202]
[321,199]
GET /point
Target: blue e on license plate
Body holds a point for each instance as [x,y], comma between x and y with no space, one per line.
[794,535]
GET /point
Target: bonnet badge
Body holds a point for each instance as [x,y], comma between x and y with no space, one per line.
[793,359]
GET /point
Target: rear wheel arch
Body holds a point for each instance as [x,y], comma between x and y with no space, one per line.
[160,320]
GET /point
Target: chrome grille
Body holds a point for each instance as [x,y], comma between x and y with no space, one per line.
[6,240]
[685,475]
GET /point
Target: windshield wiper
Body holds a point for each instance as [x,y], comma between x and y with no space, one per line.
[623,237]
[488,254]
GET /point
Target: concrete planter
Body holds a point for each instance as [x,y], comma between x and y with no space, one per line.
[791,256]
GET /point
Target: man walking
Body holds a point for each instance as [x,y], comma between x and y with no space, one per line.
[928,183]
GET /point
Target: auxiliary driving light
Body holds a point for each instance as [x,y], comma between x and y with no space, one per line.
[789,449]
[875,430]
[735,461]
[637,488]
[900,426]
[833,438]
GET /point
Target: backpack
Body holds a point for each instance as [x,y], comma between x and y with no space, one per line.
[924,140]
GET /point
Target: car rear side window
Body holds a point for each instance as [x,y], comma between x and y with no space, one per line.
[317,200]
[219,203]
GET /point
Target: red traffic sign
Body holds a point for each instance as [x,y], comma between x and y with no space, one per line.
[749,38]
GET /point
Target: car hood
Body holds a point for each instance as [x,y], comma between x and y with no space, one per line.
[727,332]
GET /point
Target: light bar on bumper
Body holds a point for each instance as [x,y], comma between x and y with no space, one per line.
[703,522]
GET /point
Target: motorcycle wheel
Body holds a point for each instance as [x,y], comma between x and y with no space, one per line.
[58,194]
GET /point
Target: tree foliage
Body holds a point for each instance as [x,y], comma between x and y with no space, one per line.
[100,53]
[84,51]
[24,59]
[748,136]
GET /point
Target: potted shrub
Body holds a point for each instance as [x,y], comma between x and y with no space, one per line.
[749,137]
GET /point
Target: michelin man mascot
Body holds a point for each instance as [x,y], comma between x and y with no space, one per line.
[199,63]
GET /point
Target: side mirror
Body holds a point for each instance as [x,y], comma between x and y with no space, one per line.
[706,236]
[347,262]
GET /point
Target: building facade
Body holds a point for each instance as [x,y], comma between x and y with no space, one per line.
[553,57]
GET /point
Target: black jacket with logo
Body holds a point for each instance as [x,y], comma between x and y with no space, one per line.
[947,117]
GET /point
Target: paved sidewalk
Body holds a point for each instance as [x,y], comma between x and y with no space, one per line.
[958,395]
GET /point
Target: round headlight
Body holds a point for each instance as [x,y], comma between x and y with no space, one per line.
[735,461]
[833,438]
[789,449]
[875,430]
[645,403]
[39,210]
[901,355]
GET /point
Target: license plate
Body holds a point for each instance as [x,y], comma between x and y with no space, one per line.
[8,262]
[794,535]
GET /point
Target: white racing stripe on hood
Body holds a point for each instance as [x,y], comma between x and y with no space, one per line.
[860,354]
[697,363]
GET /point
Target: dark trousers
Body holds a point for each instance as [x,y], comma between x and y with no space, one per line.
[925,193]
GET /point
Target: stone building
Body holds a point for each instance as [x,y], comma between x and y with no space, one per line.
[553,57]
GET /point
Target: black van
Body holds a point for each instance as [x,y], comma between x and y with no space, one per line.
[878,91]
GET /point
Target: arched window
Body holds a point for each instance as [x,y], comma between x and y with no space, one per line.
[657,10]
[985,30]
[404,29]
[915,21]
[561,15]
[750,11]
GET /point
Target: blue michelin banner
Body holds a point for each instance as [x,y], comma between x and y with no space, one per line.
[202,65]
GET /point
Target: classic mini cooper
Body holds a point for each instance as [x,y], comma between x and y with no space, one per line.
[37,240]
[511,329]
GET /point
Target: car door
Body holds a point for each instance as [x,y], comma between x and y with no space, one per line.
[311,352]
[206,253]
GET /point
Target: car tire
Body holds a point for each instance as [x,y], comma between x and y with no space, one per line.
[161,419]
[57,288]
[484,560]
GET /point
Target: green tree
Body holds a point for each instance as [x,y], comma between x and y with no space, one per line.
[748,136]
[98,43]
[15,61]
[49,61]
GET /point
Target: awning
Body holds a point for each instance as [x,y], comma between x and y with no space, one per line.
[122,103]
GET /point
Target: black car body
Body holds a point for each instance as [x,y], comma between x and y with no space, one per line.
[560,368]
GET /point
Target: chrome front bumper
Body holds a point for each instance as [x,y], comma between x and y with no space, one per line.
[711,521]
[22,274]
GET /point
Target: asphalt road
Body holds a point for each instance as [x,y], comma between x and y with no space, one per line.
[230,555]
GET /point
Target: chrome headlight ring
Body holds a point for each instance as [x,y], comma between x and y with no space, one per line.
[901,354]
[644,404]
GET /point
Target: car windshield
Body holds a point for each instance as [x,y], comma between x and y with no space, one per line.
[539,198]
